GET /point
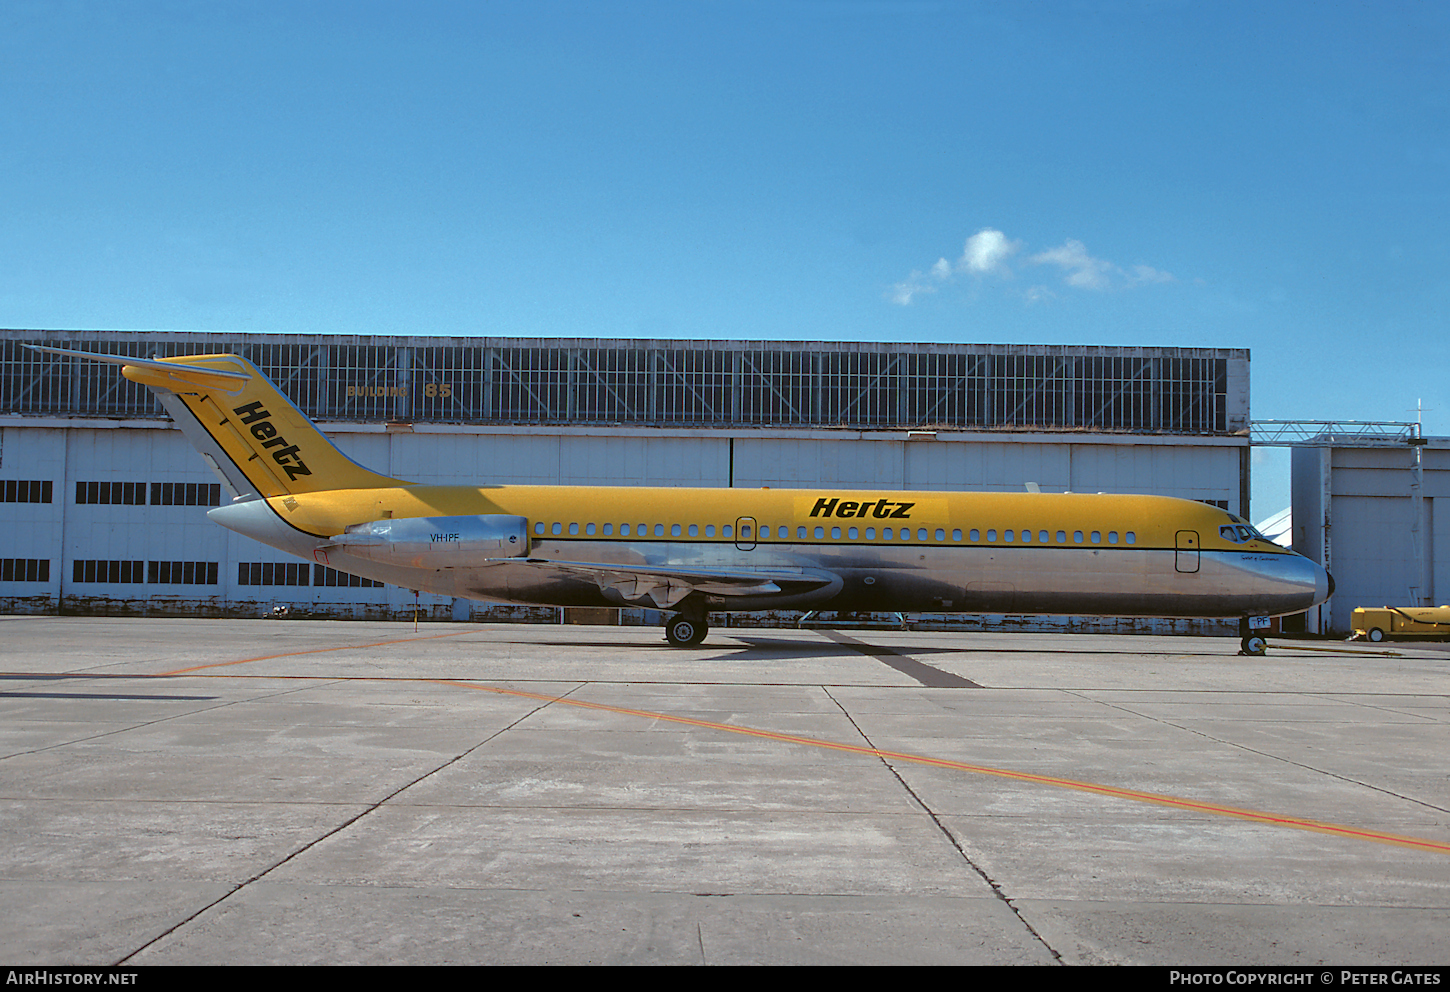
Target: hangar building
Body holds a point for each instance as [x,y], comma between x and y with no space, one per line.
[104,501]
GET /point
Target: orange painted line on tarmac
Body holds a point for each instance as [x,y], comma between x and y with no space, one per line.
[294,654]
[1174,802]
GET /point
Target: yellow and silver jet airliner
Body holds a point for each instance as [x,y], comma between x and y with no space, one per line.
[690,552]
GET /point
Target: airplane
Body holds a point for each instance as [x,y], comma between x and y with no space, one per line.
[691,552]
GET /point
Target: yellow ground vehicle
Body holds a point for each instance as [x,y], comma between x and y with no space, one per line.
[1376,624]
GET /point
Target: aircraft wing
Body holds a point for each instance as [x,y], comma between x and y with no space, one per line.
[666,585]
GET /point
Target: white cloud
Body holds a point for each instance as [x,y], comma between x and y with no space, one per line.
[1082,270]
[990,252]
[987,251]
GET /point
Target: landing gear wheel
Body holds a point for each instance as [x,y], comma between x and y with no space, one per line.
[682,631]
[1376,635]
[1253,645]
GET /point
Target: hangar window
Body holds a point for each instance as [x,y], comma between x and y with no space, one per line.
[129,493]
[190,573]
[183,494]
[100,570]
[29,491]
[324,576]
[268,573]
[24,569]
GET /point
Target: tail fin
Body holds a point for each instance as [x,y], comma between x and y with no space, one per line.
[255,438]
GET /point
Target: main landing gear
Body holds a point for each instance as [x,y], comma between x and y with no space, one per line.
[682,631]
[1251,644]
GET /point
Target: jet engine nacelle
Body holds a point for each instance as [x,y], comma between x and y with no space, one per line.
[437,542]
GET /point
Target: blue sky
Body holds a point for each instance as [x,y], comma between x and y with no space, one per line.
[1261,175]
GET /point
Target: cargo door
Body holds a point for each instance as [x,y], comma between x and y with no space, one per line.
[1186,555]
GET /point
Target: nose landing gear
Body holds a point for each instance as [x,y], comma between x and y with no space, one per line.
[1251,644]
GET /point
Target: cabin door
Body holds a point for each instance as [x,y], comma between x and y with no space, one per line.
[1186,555]
[745,533]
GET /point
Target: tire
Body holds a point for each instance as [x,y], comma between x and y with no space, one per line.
[1254,645]
[1376,635]
[683,632]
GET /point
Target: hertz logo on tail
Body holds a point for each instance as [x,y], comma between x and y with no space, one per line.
[259,423]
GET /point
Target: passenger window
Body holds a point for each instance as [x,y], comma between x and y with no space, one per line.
[589,529]
[1027,537]
[573,528]
[1062,537]
[835,533]
[709,530]
[1112,537]
[870,533]
[1007,536]
[624,530]
[538,527]
[694,530]
[558,528]
[956,535]
[674,530]
[1077,537]
[1042,537]
[744,532]
[800,533]
[1097,537]
[660,530]
[820,533]
[976,534]
[764,531]
[1132,538]
[726,531]
[642,530]
[941,535]
[853,533]
[991,535]
[608,529]
[886,534]
[921,533]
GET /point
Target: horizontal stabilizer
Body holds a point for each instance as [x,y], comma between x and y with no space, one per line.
[163,375]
